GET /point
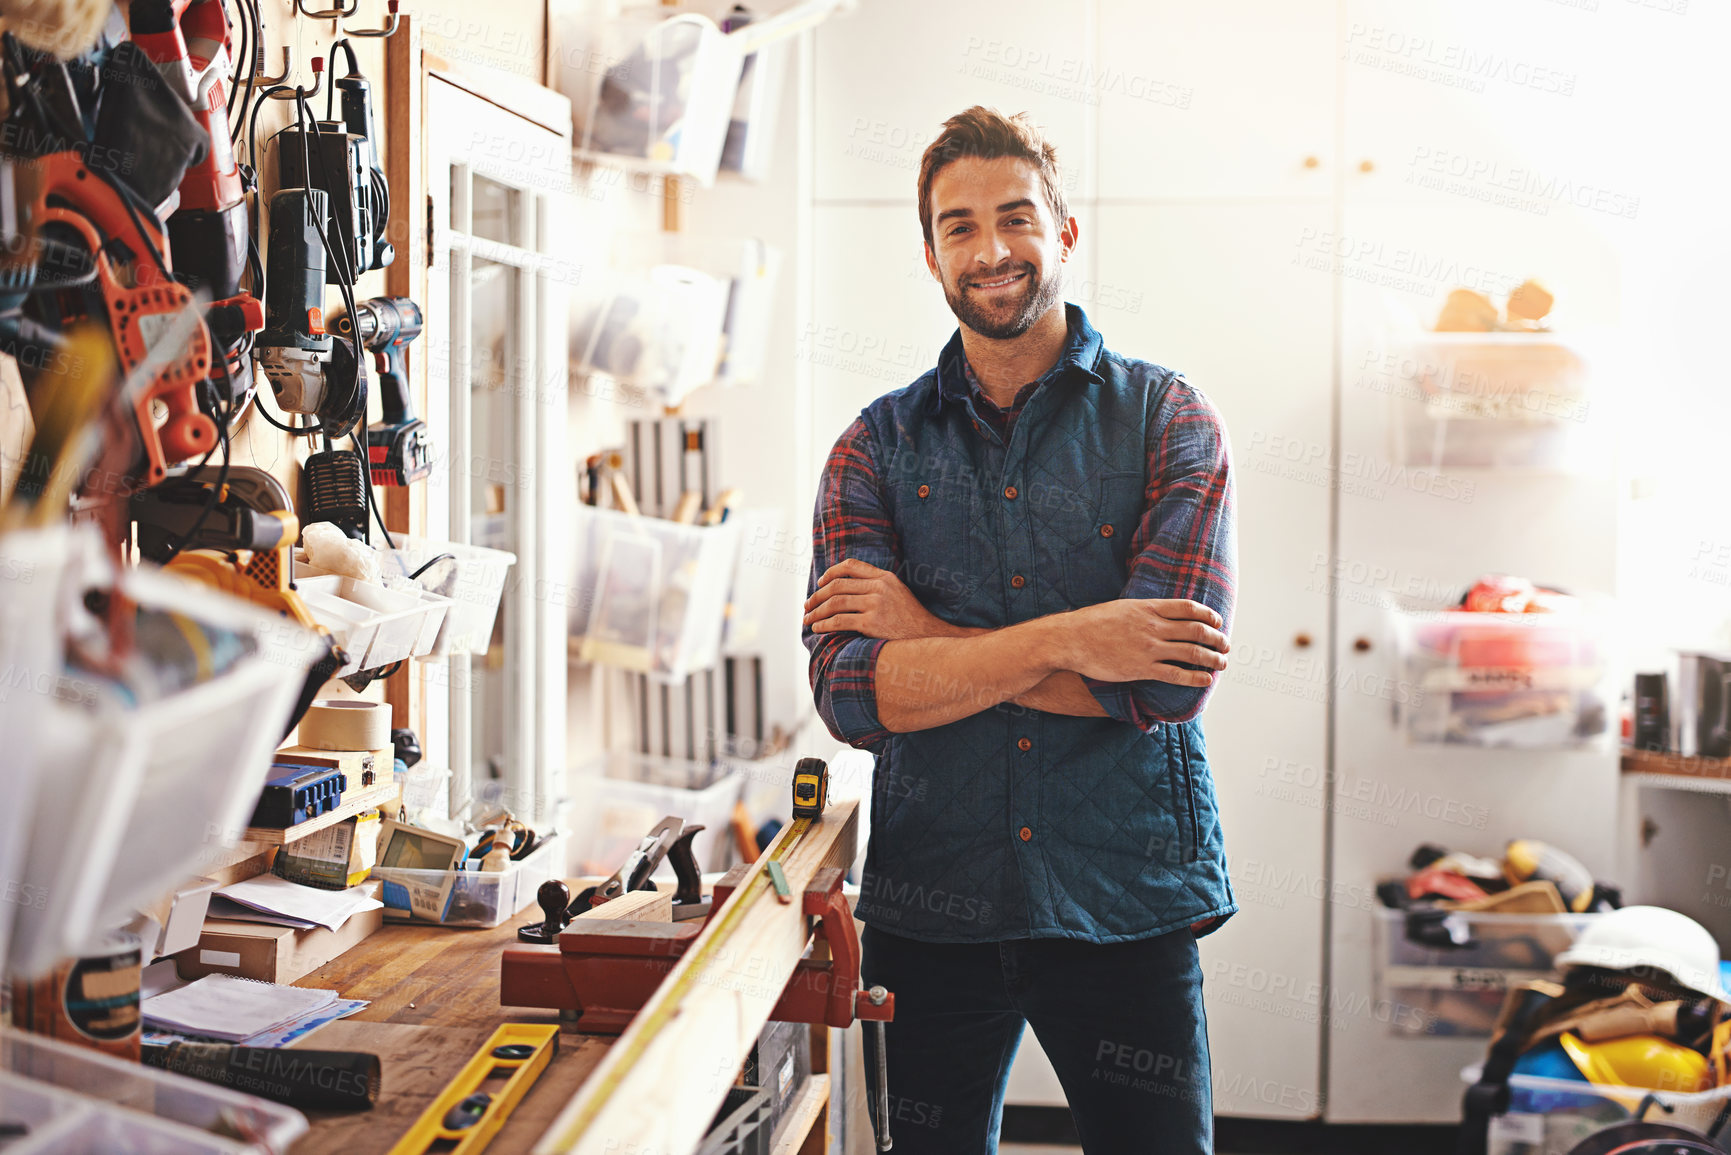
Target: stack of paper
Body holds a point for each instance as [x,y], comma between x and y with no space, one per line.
[231,1009]
[277,901]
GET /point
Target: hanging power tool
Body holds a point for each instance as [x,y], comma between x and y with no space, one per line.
[399,451]
[340,157]
[190,42]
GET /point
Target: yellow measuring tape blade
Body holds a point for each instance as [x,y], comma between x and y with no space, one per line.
[430,1127]
[643,1029]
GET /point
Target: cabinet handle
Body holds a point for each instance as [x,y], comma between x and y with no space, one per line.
[1362,645]
[1301,640]
[1366,165]
[1312,162]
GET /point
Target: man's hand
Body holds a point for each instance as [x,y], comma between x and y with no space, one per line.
[855,595]
[1139,639]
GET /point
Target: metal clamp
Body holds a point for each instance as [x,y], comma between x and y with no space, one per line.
[336,13]
[390,28]
[259,76]
[298,91]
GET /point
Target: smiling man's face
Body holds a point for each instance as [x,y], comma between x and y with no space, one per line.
[995,247]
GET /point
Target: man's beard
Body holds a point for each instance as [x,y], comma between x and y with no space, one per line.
[1014,315]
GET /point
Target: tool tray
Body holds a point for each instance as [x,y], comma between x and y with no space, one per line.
[474,898]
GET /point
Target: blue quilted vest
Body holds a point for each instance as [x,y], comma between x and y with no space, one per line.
[1016,823]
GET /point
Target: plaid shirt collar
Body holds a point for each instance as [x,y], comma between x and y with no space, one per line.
[956,381]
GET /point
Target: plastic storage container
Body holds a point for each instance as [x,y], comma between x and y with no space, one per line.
[75,1100]
[1491,401]
[617,798]
[191,762]
[664,106]
[1458,991]
[474,586]
[742,1126]
[1537,681]
[481,898]
[764,563]
[675,311]
[1551,1116]
[394,621]
[650,595]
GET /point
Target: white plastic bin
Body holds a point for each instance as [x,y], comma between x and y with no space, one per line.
[1458,991]
[650,595]
[76,1100]
[125,777]
[475,898]
[766,565]
[618,798]
[663,103]
[1551,1116]
[1490,401]
[1535,681]
[477,581]
[394,621]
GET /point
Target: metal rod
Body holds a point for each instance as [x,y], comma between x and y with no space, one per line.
[288,67]
[318,83]
[390,28]
[329,13]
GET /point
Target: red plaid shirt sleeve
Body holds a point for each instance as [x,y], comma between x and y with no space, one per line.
[1185,547]
[851,521]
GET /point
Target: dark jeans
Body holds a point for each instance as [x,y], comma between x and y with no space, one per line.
[1122,1023]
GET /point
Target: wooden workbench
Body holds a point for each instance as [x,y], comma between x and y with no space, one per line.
[435,999]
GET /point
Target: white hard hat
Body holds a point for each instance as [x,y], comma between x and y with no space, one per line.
[1648,938]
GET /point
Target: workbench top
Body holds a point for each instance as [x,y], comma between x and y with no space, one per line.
[435,1000]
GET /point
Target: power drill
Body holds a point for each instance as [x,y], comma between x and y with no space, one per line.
[399,451]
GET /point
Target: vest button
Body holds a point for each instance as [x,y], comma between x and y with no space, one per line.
[1010,493]
[1105,531]
[1018,582]
[1024,745]
[1026,834]
[925,491]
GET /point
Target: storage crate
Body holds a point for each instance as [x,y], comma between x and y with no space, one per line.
[392,621]
[742,1126]
[664,106]
[618,798]
[475,584]
[33,589]
[479,898]
[1551,1116]
[191,762]
[1534,681]
[650,595]
[1491,401]
[766,567]
[1458,991]
[76,1100]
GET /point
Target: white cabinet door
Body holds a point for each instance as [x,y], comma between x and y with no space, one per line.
[1460,112]
[1234,98]
[891,72]
[496,324]
[1214,291]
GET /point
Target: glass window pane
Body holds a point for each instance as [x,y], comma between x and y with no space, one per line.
[496,207]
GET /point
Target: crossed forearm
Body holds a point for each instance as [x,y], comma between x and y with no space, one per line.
[926,682]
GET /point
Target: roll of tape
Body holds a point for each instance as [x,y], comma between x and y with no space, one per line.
[340,724]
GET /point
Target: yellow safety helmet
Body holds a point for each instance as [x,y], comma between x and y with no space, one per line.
[1645,1061]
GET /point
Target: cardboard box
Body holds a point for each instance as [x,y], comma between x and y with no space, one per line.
[272,954]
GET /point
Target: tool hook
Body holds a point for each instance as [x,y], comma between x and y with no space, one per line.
[390,28]
[288,66]
[297,91]
[337,13]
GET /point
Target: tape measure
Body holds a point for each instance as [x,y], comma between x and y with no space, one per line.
[469,1117]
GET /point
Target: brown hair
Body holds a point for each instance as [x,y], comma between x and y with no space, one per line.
[987,134]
